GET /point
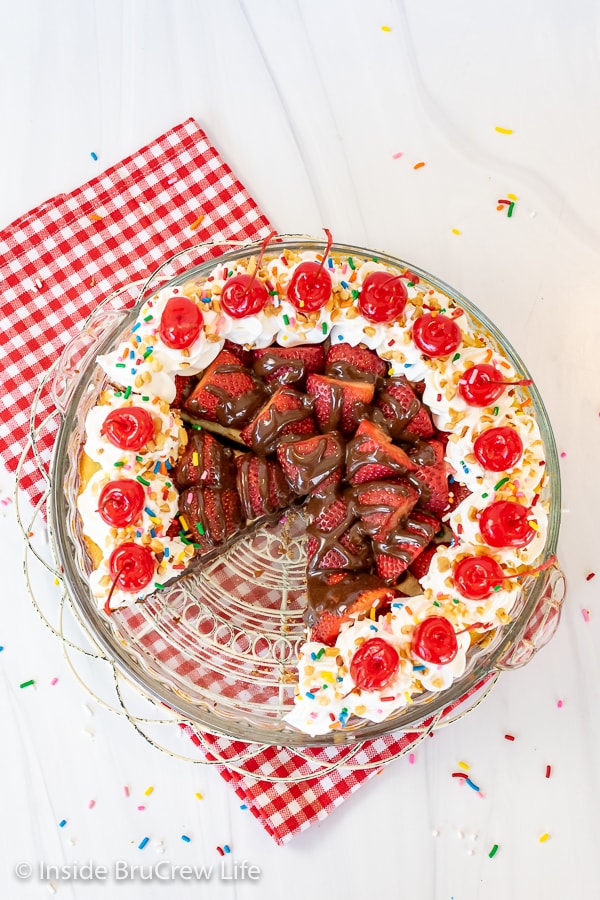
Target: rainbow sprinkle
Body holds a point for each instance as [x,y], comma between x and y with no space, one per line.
[493,851]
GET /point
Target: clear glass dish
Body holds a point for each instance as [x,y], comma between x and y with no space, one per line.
[220,646]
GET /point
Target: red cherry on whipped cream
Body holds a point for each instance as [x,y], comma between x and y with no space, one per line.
[498,449]
[374,664]
[180,323]
[382,297]
[121,502]
[436,335]
[244,295]
[483,383]
[434,641]
[505,523]
[476,577]
[310,286]
[131,566]
[128,428]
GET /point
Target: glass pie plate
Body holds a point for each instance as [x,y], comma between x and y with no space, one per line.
[220,646]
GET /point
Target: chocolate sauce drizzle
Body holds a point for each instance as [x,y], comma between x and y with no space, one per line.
[310,469]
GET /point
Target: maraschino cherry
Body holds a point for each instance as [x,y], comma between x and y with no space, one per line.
[244,295]
[132,566]
[383,296]
[498,449]
[505,523]
[128,428]
[476,577]
[483,383]
[436,335]
[180,323]
[434,641]
[374,664]
[310,286]
[121,502]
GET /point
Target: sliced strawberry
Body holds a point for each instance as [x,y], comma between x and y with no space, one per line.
[288,365]
[261,485]
[330,544]
[205,462]
[210,515]
[397,548]
[226,393]
[457,493]
[327,627]
[244,356]
[371,456]
[382,505]
[287,412]
[312,463]
[419,567]
[406,416]
[339,405]
[431,476]
[349,363]
[184,385]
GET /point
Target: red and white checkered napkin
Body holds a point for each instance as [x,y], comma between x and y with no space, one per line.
[285,807]
[58,261]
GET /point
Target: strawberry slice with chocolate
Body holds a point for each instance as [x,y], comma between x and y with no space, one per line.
[371,456]
[405,415]
[205,462]
[244,356]
[287,412]
[339,405]
[261,485]
[398,545]
[327,627]
[208,516]
[288,365]
[382,505]
[314,464]
[227,393]
[355,363]
[332,543]
[430,476]
[184,385]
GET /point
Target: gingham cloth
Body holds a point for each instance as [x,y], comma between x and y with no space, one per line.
[56,263]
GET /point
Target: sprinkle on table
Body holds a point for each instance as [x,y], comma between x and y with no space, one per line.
[586,615]
[590,575]
[94,156]
[148,791]
[62,823]
[509,737]
[226,848]
[418,165]
[54,681]
[411,759]
[198,796]
[126,790]
[220,851]
[559,703]
[143,843]
[562,454]
[464,765]
[91,804]
[493,851]
[397,155]
[25,684]
[548,771]
[386,28]
[455,231]
[501,130]
[184,837]
[544,837]
[195,223]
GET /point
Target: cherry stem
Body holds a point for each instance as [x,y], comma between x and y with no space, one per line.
[547,565]
[107,608]
[325,255]
[266,241]
[475,625]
